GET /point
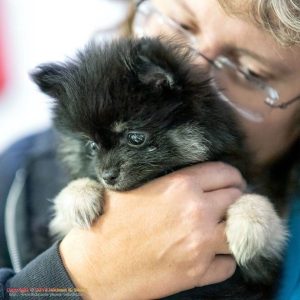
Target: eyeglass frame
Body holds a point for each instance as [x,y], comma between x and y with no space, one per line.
[272,94]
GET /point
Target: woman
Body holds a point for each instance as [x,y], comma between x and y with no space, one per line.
[173,240]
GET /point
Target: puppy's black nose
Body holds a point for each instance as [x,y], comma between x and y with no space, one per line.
[110,176]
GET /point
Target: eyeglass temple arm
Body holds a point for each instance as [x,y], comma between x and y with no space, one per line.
[286,104]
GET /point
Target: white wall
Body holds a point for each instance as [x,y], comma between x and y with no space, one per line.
[38,31]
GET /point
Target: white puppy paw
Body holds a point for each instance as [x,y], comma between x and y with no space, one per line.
[79,204]
[254,231]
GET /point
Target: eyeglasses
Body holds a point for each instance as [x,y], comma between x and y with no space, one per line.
[248,94]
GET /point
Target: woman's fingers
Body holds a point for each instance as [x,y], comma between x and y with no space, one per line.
[216,175]
[222,246]
[222,199]
[221,268]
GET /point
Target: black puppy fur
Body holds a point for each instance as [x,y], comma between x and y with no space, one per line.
[143,86]
[133,110]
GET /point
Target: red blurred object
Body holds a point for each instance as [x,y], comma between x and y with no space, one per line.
[3,70]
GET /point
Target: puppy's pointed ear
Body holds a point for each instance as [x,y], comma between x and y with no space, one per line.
[50,78]
[155,75]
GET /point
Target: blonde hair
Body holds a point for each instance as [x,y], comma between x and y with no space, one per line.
[279,17]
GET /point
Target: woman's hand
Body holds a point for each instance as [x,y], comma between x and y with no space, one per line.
[164,237]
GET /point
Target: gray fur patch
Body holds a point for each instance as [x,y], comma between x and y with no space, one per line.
[70,151]
[190,142]
[119,127]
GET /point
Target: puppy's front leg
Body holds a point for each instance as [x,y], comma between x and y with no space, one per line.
[256,236]
[79,204]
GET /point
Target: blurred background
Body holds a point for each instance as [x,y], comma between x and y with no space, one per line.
[38,31]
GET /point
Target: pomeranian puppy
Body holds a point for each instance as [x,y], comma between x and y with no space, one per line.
[135,109]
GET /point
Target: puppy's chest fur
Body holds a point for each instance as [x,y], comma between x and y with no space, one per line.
[134,110]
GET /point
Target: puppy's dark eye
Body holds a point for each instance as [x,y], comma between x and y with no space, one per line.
[136,139]
[92,147]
